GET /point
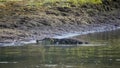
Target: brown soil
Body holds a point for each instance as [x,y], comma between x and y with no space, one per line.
[48,22]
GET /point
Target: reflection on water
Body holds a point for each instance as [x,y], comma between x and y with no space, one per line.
[110,37]
[58,57]
[41,56]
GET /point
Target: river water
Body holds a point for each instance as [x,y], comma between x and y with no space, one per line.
[106,55]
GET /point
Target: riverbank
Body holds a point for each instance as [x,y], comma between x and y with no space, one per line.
[90,29]
[59,22]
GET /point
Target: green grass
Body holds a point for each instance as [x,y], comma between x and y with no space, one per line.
[68,2]
[56,2]
[80,2]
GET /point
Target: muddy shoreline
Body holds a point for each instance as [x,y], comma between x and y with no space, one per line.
[86,29]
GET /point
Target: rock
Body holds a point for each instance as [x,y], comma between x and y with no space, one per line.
[52,12]
[116,25]
[61,41]
[64,9]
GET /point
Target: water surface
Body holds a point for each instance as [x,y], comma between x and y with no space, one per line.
[41,56]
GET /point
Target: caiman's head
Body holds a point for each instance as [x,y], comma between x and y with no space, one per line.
[48,40]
